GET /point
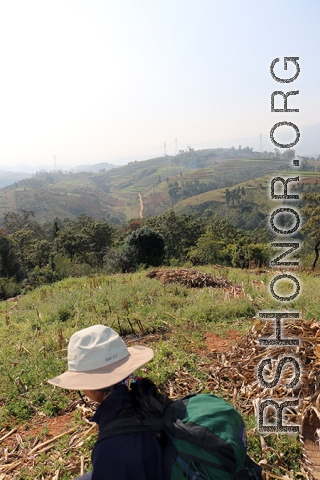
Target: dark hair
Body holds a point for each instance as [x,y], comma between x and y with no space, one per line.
[141,390]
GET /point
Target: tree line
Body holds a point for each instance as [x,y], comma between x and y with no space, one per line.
[32,254]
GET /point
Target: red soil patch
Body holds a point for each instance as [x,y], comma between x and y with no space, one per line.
[310,180]
[214,342]
[54,425]
[44,427]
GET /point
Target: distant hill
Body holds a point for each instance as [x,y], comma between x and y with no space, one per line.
[8,178]
[308,145]
[97,167]
[11,175]
[145,188]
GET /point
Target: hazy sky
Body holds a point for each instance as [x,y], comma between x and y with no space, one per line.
[95,80]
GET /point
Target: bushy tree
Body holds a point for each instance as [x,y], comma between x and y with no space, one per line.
[147,246]
[122,259]
[180,233]
[289,154]
[40,254]
[250,255]
[142,246]
[28,242]
[85,239]
[72,243]
[224,231]
[208,250]
[14,222]
[101,235]
[9,263]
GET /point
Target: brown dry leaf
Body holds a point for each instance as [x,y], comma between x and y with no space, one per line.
[235,372]
[194,279]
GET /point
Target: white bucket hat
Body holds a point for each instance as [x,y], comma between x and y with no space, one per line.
[99,358]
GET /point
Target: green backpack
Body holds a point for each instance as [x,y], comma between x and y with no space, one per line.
[206,438]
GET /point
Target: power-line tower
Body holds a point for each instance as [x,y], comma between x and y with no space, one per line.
[176,149]
[260,144]
[54,163]
[164,149]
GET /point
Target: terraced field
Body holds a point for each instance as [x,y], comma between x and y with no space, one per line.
[160,184]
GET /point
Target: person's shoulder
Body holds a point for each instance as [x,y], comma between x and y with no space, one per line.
[145,438]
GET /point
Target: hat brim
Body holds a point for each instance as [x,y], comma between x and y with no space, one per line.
[105,376]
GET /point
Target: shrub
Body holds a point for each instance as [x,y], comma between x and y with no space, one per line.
[146,246]
[252,255]
[8,288]
[122,260]
[207,251]
[41,276]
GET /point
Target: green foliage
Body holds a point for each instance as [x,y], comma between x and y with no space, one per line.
[63,266]
[84,239]
[312,225]
[251,255]
[235,196]
[9,262]
[142,246]
[9,288]
[224,231]
[33,255]
[209,250]
[225,244]
[305,165]
[190,188]
[65,312]
[147,246]
[19,409]
[121,259]
[287,454]
[312,212]
[40,276]
[180,233]
[13,222]
[72,244]
[39,253]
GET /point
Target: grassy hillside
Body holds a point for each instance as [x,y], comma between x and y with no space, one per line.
[254,205]
[145,188]
[189,329]
[257,192]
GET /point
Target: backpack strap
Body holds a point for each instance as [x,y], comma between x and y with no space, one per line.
[127,423]
[200,436]
[157,405]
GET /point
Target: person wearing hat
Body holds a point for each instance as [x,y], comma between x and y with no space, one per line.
[101,365]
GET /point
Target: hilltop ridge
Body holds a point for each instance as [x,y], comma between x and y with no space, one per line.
[145,188]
